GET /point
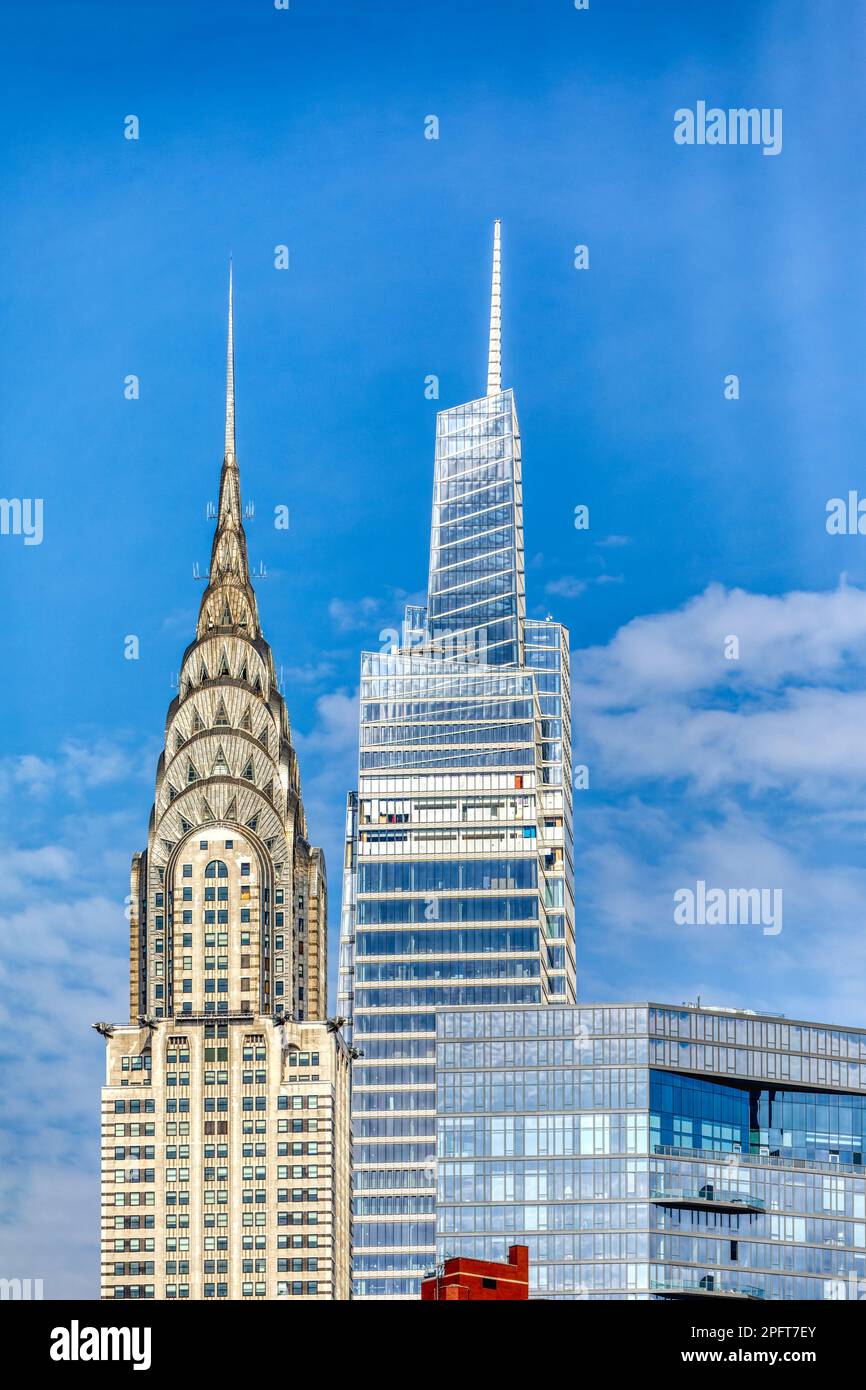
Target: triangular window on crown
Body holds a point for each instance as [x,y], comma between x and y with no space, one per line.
[220,767]
[245,675]
[179,740]
[221,717]
[226,619]
[169,844]
[253,824]
[185,825]
[224,664]
[191,774]
[204,675]
[257,685]
[248,771]
[197,724]
[246,721]
[172,792]
[232,809]
[205,810]
[187,687]
[263,737]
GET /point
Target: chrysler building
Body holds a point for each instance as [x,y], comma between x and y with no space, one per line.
[226,1145]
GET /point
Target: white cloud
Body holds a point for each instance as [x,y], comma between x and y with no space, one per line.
[311,674]
[809,744]
[64,965]
[566,587]
[336,729]
[79,765]
[794,637]
[743,774]
[349,614]
[55,1236]
[569,586]
[661,701]
[635,855]
[22,869]
[64,864]
[371,614]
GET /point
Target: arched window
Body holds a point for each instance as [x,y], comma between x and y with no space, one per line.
[216,869]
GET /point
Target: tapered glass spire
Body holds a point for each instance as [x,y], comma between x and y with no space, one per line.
[494,357]
[476,597]
[458,886]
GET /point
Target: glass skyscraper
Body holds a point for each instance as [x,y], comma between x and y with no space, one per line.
[458,883]
[652,1152]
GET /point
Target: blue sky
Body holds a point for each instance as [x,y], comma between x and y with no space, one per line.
[707,517]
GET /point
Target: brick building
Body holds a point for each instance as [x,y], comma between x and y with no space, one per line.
[477,1280]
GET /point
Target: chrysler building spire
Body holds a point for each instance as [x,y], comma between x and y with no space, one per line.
[494,358]
[230,376]
[229,599]
[228,967]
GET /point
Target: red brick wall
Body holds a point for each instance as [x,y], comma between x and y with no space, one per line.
[464,1279]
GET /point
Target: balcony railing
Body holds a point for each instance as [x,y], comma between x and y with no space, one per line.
[709,1196]
[681,1288]
[199,1016]
[733,1156]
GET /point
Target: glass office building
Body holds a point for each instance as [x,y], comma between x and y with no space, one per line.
[651,1152]
[458,883]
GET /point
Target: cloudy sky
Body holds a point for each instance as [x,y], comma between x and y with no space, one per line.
[740,763]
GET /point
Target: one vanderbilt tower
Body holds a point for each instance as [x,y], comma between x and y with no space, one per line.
[225,1127]
[459,880]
